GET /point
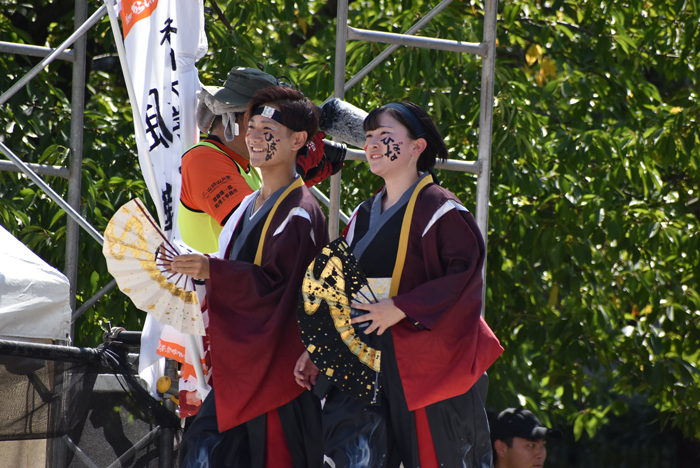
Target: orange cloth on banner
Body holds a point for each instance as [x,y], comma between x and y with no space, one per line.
[134,11]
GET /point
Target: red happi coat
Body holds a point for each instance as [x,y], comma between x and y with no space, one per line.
[255,338]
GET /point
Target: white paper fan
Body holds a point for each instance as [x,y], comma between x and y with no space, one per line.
[133,247]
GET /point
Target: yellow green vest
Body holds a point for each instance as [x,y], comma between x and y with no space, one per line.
[201,231]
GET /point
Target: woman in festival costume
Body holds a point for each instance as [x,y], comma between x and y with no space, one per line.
[415,241]
[260,418]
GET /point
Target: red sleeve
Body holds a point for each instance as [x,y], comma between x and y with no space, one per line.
[451,254]
[212,183]
[441,288]
[255,338]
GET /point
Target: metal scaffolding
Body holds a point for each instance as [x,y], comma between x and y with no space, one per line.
[481,167]
[73,172]
[486,50]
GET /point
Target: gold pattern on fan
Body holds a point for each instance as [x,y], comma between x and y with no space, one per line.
[315,292]
[138,247]
[317,288]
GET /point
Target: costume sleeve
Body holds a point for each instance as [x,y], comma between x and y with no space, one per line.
[212,183]
[451,251]
[255,338]
[258,287]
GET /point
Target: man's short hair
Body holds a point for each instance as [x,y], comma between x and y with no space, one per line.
[298,112]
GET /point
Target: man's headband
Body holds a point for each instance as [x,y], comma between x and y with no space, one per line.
[410,116]
[272,113]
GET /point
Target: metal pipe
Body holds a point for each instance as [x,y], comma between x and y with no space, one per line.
[93,300]
[41,169]
[424,42]
[389,50]
[145,440]
[52,193]
[138,123]
[327,203]
[48,352]
[44,63]
[78,452]
[167,435]
[471,167]
[488,73]
[34,51]
[341,39]
[76,154]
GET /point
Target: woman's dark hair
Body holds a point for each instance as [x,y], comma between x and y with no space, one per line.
[436,148]
[298,112]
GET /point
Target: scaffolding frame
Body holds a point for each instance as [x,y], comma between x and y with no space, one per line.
[482,167]
[486,50]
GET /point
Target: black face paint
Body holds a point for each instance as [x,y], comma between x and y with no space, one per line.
[271,145]
[393,150]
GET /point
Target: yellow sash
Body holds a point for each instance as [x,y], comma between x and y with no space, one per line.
[403,239]
[294,185]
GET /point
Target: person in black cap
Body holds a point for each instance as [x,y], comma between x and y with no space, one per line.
[519,439]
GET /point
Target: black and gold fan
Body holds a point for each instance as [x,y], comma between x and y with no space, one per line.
[345,355]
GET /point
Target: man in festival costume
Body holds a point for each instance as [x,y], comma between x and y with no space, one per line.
[423,255]
[216,175]
[256,416]
[519,439]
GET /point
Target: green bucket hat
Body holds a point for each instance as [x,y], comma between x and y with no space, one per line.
[240,86]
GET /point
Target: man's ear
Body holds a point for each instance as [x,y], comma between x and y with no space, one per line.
[299,140]
[500,447]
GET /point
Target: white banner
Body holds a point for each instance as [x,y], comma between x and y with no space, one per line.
[163,41]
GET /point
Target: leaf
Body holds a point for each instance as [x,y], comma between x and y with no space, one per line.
[59,214]
[94,279]
[533,54]
[510,13]
[579,425]
[553,296]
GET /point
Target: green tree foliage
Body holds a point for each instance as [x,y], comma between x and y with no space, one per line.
[36,127]
[593,255]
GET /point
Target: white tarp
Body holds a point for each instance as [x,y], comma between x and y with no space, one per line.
[34,297]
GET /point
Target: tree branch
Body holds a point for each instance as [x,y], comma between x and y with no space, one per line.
[222,17]
[329,10]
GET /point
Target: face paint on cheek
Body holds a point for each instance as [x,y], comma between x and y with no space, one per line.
[271,146]
[393,149]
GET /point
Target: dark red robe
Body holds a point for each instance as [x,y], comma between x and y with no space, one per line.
[255,338]
[433,362]
[441,289]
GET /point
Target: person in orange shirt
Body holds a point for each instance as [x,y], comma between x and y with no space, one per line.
[216,175]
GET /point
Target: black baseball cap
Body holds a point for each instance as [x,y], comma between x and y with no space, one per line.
[519,422]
